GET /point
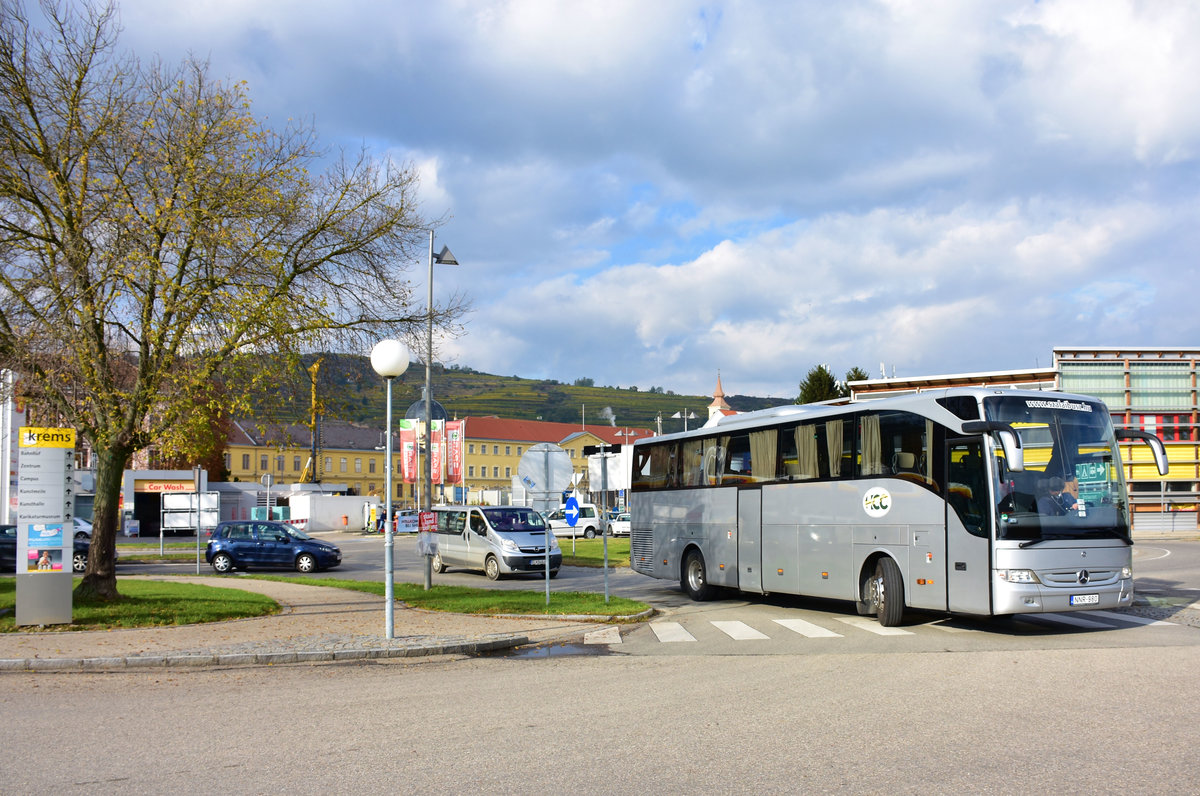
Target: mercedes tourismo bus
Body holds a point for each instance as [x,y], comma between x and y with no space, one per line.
[968,500]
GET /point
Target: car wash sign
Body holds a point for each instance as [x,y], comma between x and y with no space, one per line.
[45,537]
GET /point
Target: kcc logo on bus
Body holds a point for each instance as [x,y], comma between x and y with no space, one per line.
[877,502]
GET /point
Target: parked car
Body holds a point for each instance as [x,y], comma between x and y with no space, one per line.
[587,526]
[83,528]
[261,543]
[500,540]
[8,551]
[619,526]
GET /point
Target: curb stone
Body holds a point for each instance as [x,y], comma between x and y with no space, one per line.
[422,648]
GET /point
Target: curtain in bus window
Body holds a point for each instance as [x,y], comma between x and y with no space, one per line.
[806,451]
[833,441]
[872,448]
[693,463]
[925,461]
[660,466]
[641,468]
[763,452]
[714,459]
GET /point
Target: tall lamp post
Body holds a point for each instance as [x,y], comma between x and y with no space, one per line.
[686,414]
[389,358]
[444,257]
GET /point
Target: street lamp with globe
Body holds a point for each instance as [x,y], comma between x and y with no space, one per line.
[389,358]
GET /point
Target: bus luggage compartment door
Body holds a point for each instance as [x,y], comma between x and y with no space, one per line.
[750,540]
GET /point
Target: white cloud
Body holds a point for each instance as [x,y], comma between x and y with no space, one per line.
[645,193]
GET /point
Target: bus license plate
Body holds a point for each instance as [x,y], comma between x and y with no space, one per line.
[1085,599]
[541,562]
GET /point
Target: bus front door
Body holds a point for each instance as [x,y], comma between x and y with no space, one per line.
[968,523]
[750,540]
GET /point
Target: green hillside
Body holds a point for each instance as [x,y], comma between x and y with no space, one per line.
[349,389]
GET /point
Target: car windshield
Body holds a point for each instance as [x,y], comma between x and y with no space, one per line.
[514,519]
[1072,484]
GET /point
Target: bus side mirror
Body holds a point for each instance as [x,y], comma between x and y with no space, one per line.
[1010,440]
[1156,446]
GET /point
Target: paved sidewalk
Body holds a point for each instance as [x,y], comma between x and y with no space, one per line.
[317,624]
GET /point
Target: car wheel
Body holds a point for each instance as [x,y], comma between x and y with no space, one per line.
[491,568]
[306,562]
[589,533]
[79,562]
[80,535]
[554,573]
[437,564]
[222,562]
[695,580]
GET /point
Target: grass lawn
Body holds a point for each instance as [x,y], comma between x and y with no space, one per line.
[469,600]
[590,552]
[147,603]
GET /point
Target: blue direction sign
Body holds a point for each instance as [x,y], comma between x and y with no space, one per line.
[571,511]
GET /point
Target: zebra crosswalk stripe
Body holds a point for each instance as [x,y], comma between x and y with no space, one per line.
[806,629]
[1063,619]
[670,632]
[739,631]
[872,626]
[1134,618]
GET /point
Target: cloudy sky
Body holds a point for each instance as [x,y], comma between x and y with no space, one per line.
[649,192]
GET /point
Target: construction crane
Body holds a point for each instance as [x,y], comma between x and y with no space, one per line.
[309,476]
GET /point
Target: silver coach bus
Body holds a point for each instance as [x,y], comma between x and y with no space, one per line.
[970,500]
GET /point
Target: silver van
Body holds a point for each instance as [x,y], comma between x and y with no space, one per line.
[500,540]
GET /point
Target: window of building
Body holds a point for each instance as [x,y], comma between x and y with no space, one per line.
[262,462]
[328,464]
[1160,385]
[1104,380]
[508,450]
[495,450]
[295,464]
[357,465]
[371,466]
[227,460]
[471,471]
[471,448]
[245,461]
[508,472]
[518,450]
[342,462]
[495,472]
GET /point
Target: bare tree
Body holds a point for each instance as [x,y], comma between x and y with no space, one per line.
[158,243]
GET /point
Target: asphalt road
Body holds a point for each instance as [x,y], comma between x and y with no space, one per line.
[1064,720]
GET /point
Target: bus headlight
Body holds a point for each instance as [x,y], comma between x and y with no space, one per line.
[1126,572]
[1017,575]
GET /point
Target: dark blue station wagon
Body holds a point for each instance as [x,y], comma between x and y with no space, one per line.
[259,543]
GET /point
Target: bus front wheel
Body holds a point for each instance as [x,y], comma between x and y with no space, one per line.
[695,579]
[885,592]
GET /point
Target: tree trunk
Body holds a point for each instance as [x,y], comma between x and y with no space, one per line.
[100,579]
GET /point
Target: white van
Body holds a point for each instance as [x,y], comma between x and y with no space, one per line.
[500,540]
[588,525]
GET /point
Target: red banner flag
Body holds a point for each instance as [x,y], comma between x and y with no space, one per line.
[436,451]
[455,430]
[408,451]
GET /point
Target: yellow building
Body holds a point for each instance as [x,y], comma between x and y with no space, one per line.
[351,457]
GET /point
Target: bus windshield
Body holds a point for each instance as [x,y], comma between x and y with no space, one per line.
[1072,484]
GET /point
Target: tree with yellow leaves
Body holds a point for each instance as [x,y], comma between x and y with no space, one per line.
[158,242]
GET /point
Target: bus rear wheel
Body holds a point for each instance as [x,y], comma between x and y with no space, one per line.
[886,593]
[695,579]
